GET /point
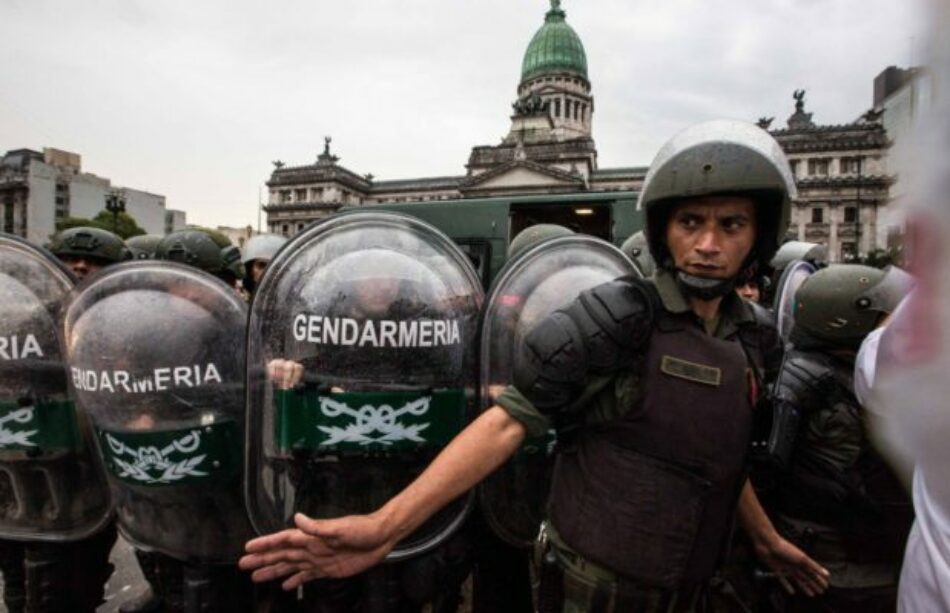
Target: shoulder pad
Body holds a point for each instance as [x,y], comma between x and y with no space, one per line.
[804,379]
[617,319]
[600,331]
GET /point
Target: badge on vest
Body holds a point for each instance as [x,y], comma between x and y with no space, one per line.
[691,371]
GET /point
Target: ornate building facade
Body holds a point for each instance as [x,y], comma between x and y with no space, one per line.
[549,148]
[842,179]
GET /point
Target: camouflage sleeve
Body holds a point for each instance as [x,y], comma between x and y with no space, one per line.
[521,409]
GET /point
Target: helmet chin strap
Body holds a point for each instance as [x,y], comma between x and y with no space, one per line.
[704,288]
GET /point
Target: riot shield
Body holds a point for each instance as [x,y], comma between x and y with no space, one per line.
[52,486]
[784,306]
[530,287]
[374,316]
[156,357]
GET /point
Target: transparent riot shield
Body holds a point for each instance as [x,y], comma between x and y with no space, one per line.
[156,358]
[361,368]
[52,486]
[784,306]
[530,287]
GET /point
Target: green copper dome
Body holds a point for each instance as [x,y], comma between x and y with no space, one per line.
[554,48]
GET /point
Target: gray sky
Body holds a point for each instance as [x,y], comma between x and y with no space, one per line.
[194,99]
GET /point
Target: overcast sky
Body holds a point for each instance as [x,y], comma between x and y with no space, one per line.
[194,99]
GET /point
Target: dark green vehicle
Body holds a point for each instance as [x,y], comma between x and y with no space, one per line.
[483,227]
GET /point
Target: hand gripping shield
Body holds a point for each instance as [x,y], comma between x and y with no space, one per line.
[531,286]
[156,357]
[52,486]
[361,368]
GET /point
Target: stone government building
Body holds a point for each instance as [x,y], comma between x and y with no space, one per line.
[841,170]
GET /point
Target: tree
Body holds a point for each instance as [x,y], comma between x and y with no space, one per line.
[125,224]
[74,222]
[125,227]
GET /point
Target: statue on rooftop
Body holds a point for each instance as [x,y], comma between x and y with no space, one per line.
[799,96]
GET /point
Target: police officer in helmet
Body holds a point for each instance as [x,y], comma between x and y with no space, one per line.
[143,246]
[258,252]
[646,484]
[86,250]
[836,498]
[215,255]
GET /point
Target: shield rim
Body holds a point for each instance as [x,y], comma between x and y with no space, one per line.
[69,282]
[87,287]
[510,270]
[783,294]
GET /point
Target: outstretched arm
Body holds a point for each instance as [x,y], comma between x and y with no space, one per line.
[349,545]
[791,565]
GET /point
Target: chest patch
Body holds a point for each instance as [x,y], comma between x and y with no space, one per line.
[691,371]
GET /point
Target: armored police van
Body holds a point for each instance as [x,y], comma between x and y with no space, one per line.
[483,227]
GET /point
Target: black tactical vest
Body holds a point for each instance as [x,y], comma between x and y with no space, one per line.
[651,495]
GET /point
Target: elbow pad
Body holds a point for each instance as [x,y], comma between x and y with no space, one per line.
[601,331]
[801,385]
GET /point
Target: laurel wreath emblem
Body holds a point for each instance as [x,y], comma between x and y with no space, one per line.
[367,420]
[150,465]
[13,437]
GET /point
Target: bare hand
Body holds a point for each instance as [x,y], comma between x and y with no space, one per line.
[285,374]
[318,548]
[793,567]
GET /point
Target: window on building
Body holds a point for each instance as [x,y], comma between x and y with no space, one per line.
[285,229]
[300,195]
[557,107]
[817,215]
[577,109]
[850,165]
[584,112]
[299,227]
[284,196]
[849,251]
[850,214]
[8,217]
[818,168]
[793,164]
[316,194]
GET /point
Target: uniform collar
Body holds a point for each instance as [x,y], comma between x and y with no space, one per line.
[733,311]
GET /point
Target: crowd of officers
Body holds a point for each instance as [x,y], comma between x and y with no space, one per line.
[706,459]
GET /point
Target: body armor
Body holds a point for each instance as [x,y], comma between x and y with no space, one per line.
[651,495]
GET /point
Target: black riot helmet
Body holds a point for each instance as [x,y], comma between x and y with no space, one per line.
[90,243]
[719,158]
[143,246]
[202,250]
[532,235]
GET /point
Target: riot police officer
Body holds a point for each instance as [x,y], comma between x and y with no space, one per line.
[209,251]
[86,250]
[143,246]
[645,484]
[836,498]
[366,324]
[258,252]
[205,578]
[56,519]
